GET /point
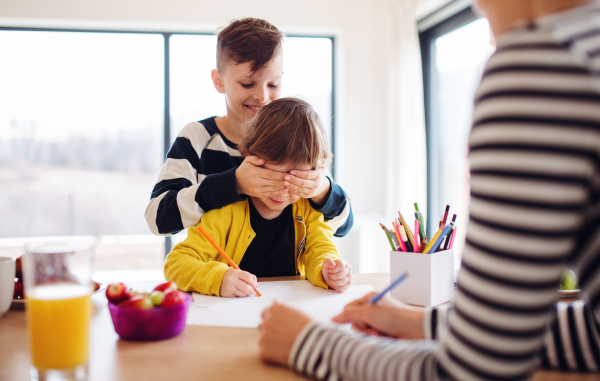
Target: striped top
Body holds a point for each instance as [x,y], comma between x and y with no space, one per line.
[199,175]
[535,207]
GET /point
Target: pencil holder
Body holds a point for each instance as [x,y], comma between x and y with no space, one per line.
[430,279]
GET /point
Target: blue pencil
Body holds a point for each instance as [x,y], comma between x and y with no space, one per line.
[376,298]
[437,243]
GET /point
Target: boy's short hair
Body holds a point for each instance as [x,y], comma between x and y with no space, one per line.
[248,40]
[287,130]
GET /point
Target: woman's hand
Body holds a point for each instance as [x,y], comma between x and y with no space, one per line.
[279,329]
[337,274]
[388,317]
[253,180]
[237,283]
[312,184]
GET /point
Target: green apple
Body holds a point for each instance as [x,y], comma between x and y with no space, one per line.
[569,280]
[157,297]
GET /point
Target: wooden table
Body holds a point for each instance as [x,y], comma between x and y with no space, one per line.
[199,353]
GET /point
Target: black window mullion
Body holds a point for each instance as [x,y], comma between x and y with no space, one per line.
[167,121]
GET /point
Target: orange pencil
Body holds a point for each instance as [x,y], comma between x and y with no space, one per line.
[222,252]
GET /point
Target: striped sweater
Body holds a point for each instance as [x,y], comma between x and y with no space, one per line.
[199,175]
[535,207]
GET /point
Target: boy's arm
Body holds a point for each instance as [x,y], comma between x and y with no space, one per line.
[337,210]
[182,193]
[318,247]
[333,203]
[194,263]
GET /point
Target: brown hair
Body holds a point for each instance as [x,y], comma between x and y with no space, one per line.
[248,40]
[287,130]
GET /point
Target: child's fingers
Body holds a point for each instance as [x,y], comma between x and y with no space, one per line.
[268,174]
[337,283]
[269,189]
[340,266]
[300,183]
[273,183]
[302,192]
[328,264]
[308,175]
[243,289]
[254,160]
[247,278]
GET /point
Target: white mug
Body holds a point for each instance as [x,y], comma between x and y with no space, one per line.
[7,283]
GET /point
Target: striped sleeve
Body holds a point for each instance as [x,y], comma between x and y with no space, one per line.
[535,207]
[197,176]
[337,210]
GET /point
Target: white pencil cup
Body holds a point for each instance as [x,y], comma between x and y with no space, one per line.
[430,279]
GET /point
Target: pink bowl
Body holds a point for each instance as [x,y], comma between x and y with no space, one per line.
[145,325]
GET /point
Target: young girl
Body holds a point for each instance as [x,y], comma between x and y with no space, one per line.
[266,236]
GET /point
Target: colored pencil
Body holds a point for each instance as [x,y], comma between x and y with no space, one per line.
[447,241]
[416,247]
[446,214]
[404,237]
[407,229]
[394,240]
[438,241]
[422,234]
[452,237]
[398,280]
[399,237]
[222,252]
[388,235]
[433,240]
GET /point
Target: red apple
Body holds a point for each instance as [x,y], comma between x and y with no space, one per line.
[138,302]
[172,298]
[164,286]
[116,293]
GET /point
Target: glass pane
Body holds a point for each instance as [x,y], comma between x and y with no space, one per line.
[80,135]
[459,59]
[307,70]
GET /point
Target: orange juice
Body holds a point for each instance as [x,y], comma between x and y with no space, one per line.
[58,320]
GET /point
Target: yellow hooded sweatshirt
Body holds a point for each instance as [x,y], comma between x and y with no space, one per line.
[195,265]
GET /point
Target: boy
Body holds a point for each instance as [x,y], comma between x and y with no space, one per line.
[204,169]
[266,235]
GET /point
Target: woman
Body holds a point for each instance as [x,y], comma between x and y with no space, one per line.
[535,207]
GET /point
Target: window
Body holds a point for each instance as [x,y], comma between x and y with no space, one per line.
[83,132]
[454,53]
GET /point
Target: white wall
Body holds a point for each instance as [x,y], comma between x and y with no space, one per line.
[362,36]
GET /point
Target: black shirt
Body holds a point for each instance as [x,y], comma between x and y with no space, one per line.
[272,251]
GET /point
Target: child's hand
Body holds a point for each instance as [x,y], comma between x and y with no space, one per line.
[237,283]
[309,184]
[337,274]
[253,180]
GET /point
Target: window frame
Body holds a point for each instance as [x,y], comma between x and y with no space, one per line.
[427,39]
[167,90]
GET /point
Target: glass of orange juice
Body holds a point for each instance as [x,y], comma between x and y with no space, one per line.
[58,286]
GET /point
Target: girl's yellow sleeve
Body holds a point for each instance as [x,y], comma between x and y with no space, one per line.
[194,264]
[319,246]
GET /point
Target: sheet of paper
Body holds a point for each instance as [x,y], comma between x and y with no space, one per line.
[314,301]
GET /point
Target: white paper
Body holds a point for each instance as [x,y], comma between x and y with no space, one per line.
[316,302]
